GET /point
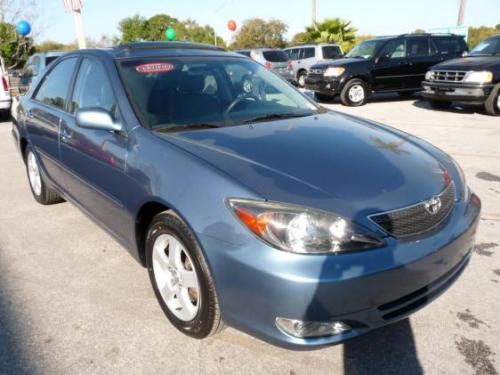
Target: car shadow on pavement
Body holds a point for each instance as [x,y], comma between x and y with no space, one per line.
[387,350]
[378,98]
[453,109]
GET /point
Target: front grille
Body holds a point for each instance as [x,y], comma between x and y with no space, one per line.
[317,71]
[449,75]
[418,218]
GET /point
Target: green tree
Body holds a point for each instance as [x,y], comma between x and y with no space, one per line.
[155,27]
[299,38]
[132,28]
[476,34]
[14,49]
[332,30]
[256,32]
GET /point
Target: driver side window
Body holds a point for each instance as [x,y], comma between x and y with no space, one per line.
[394,49]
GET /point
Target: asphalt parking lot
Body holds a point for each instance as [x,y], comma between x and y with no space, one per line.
[73,301]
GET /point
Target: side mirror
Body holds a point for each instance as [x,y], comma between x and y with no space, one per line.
[97,119]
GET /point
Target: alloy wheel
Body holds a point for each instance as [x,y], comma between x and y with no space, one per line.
[34,174]
[356,93]
[176,277]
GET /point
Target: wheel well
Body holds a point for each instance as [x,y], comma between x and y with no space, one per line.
[144,217]
[23,143]
[301,71]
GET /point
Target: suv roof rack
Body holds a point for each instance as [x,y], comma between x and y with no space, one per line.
[166,45]
[426,34]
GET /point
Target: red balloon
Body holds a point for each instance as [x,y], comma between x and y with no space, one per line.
[231,25]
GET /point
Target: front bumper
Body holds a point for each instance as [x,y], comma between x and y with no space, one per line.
[322,85]
[366,290]
[456,92]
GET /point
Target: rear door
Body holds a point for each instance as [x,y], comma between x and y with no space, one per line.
[419,59]
[391,70]
[94,160]
[43,116]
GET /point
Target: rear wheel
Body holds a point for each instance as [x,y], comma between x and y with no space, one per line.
[180,277]
[41,192]
[492,104]
[438,104]
[301,78]
[354,93]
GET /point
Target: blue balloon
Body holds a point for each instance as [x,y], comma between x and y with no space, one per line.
[23,28]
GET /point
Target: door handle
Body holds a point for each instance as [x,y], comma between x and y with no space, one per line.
[29,114]
[65,135]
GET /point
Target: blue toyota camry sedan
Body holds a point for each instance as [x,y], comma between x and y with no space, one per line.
[249,205]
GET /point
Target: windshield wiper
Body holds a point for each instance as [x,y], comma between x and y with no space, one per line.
[277,116]
[187,127]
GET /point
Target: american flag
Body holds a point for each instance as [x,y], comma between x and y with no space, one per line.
[72,5]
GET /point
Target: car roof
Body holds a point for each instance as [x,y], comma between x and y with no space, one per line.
[314,45]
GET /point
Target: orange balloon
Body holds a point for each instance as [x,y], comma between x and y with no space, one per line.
[231,25]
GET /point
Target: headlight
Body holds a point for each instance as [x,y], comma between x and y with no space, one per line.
[336,71]
[301,230]
[478,77]
[430,75]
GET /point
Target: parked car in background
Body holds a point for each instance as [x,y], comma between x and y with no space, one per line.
[35,65]
[385,64]
[305,56]
[471,80]
[5,98]
[273,59]
[248,203]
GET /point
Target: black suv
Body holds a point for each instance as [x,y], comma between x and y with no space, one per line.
[385,64]
[474,79]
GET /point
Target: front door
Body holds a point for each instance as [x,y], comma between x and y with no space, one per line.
[391,70]
[95,159]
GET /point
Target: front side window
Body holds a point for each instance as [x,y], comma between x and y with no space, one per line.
[93,89]
[394,49]
[54,88]
[418,47]
[186,92]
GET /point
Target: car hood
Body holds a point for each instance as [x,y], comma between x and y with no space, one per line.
[470,63]
[329,161]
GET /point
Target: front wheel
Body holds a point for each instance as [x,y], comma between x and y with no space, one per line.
[354,93]
[41,192]
[180,277]
[492,104]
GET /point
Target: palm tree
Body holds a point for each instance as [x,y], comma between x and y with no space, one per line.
[332,30]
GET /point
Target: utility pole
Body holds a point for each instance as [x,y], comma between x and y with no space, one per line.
[313,9]
[461,12]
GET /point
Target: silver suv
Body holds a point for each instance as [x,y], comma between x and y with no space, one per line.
[305,56]
[273,59]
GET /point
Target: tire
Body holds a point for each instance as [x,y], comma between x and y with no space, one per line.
[323,97]
[492,104]
[301,78]
[354,93]
[406,94]
[41,192]
[192,310]
[438,104]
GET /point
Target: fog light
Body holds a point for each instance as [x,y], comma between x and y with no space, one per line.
[299,328]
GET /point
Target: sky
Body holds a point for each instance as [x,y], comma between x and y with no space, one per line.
[375,17]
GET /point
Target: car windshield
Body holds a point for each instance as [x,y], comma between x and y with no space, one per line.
[365,50]
[488,47]
[181,93]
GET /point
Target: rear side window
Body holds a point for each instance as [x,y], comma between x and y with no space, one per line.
[54,88]
[449,46]
[331,52]
[295,53]
[309,53]
[93,89]
[417,47]
[275,56]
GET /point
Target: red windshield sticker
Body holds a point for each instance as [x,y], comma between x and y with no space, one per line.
[155,68]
